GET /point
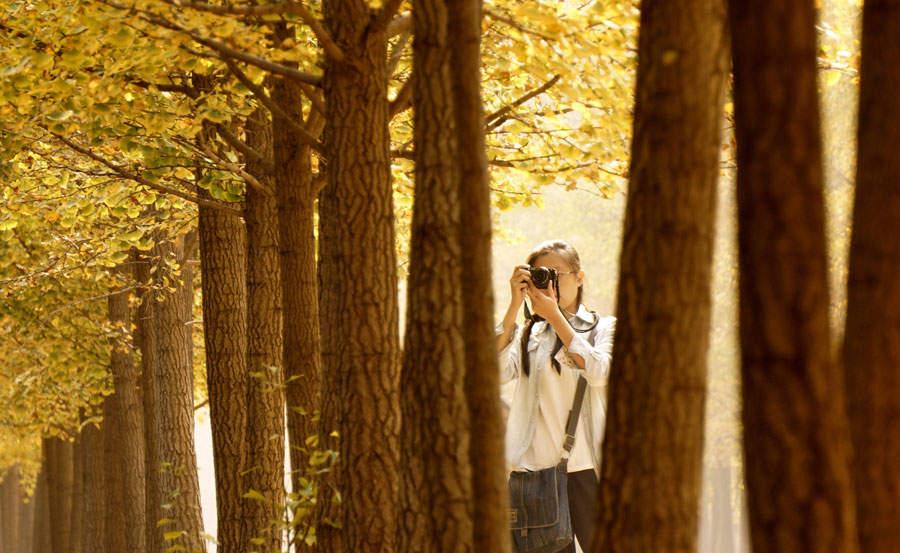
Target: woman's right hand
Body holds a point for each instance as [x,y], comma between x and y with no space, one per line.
[518,283]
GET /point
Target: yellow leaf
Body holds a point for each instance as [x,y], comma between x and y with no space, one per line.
[832,77]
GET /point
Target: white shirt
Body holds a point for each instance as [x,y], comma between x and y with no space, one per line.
[529,403]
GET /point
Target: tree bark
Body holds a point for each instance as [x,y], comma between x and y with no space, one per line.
[26,524]
[93,536]
[482,377]
[872,337]
[10,507]
[796,436]
[653,452]
[145,338]
[42,529]
[223,247]
[59,486]
[265,437]
[76,522]
[358,289]
[124,435]
[179,487]
[436,493]
[299,287]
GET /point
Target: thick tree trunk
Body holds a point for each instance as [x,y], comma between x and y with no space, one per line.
[93,535]
[872,337]
[436,493]
[145,341]
[358,289]
[653,452]
[223,250]
[296,206]
[265,437]
[796,437]
[482,378]
[10,511]
[59,485]
[124,435]
[179,488]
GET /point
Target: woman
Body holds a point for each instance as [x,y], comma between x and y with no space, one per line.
[561,341]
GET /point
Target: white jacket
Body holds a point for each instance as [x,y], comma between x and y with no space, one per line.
[595,347]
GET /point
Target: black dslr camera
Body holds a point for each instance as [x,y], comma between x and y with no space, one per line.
[542,276]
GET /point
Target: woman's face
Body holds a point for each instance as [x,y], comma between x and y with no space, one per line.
[569,281]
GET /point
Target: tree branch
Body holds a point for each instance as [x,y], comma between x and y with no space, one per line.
[497,118]
[397,51]
[251,180]
[383,18]
[516,25]
[403,99]
[400,25]
[226,52]
[242,147]
[269,9]
[273,107]
[140,180]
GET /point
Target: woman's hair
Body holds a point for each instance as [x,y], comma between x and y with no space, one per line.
[568,253]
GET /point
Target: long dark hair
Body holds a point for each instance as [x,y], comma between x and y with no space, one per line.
[570,256]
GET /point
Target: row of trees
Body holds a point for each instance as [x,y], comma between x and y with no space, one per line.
[264,137]
[415,447]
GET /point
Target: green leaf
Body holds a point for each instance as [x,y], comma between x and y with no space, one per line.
[253,494]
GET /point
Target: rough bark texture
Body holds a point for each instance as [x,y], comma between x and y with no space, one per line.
[93,504]
[482,379]
[179,488]
[59,485]
[436,492]
[796,437]
[264,472]
[872,337]
[124,435]
[653,450]
[76,522]
[10,507]
[145,341]
[358,289]
[223,249]
[296,205]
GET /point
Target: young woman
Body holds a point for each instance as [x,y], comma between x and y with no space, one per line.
[560,342]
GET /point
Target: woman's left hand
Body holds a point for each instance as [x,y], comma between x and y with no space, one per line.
[543,301]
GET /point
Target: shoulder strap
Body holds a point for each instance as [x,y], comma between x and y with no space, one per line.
[572,422]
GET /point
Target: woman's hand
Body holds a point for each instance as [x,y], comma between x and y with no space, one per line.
[544,301]
[518,283]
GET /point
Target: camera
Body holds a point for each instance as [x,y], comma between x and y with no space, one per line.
[542,276]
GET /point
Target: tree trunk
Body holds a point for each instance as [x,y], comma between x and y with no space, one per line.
[59,486]
[124,435]
[482,378]
[26,524]
[76,522]
[436,493]
[93,535]
[296,206]
[10,507]
[223,246]
[796,436]
[653,454]
[872,338]
[265,438]
[42,529]
[145,338]
[358,289]
[179,488]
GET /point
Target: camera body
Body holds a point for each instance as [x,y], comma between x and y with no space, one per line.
[542,277]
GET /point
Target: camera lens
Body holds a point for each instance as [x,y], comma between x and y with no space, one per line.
[540,276]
